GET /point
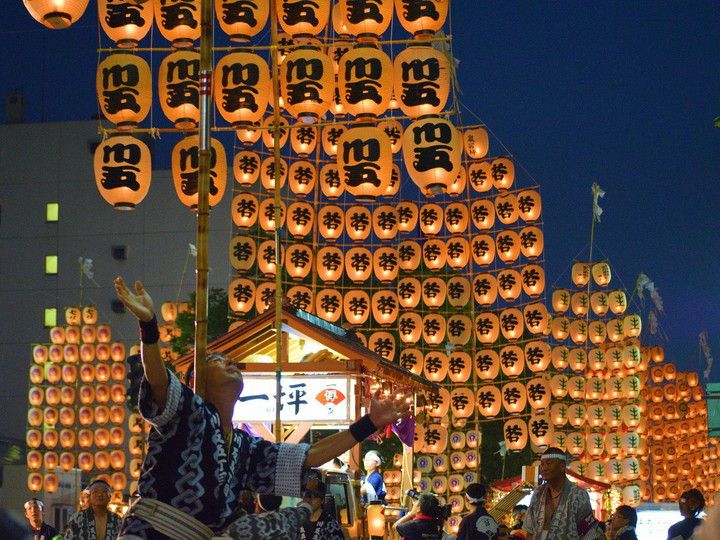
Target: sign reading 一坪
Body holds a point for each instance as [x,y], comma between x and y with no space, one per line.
[303,399]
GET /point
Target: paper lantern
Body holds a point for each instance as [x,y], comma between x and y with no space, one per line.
[632,325]
[508,246]
[488,400]
[264,297]
[595,388]
[617,302]
[55,353]
[364,162]
[576,387]
[483,250]
[432,154]
[596,416]
[631,495]
[531,242]
[433,329]
[459,366]
[541,430]
[512,360]
[331,223]
[328,305]
[179,88]
[266,212]
[511,323]
[57,335]
[462,402]
[482,213]
[580,274]
[243,253]
[67,461]
[559,414]
[615,331]
[384,219]
[434,254]
[509,284]
[366,20]
[409,255]
[422,80]
[330,183]
[412,360]
[37,375]
[72,334]
[631,415]
[122,171]
[576,415]
[480,178]
[410,326]
[50,482]
[601,273]
[267,174]
[302,177]
[529,205]
[506,209]
[117,351]
[575,443]
[358,264]
[487,364]
[356,307]
[365,81]
[458,252]
[580,303]
[536,318]
[539,393]
[515,433]
[186,170]
[578,331]
[72,316]
[487,328]
[241,21]
[303,139]
[458,291]
[50,416]
[514,397]
[476,142]
[358,222]
[179,21]
[50,438]
[67,416]
[434,291]
[330,263]
[282,129]
[298,261]
[385,307]
[502,172]
[438,402]
[123,85]
[56,15]
[241,296]
[459,329]
[53,374]
[302,20]
[36,396]
[537,355]
[40,354]
[307,82]
[244,210]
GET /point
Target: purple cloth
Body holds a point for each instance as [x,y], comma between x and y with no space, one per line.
[405,430]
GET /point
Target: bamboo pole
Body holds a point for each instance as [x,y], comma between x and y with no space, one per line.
[279,353]
[203,208]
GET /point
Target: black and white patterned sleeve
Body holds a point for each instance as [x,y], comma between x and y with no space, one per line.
[271,468]
[278,525]
[177,394]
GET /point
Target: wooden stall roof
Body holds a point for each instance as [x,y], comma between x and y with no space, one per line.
[347,354]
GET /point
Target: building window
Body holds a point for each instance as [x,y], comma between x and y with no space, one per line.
[52,212]
[50,317]
[51,264]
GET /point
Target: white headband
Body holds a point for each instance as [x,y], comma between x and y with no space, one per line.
[31,502]
[473,499]
[553,456]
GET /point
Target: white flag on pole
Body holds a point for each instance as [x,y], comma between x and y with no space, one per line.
[598,193]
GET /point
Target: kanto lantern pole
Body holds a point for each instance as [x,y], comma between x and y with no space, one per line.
[279,350]
[203,208]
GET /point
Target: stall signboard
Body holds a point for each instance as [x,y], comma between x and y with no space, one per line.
[303,399]
[713,413]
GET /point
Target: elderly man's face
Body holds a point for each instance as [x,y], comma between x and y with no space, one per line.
[34,513]
[551,469]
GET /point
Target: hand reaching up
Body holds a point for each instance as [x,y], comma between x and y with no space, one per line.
[139,303]
[387,410]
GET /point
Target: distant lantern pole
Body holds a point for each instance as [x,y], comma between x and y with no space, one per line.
[203,208]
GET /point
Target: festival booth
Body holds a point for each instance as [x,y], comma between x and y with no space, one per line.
[506,493]
[326,375]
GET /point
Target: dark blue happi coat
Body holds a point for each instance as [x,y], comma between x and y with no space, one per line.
[188,467]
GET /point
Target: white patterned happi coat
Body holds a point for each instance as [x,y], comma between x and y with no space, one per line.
[188,466]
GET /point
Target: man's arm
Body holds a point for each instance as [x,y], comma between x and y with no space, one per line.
[141,305]
[383,412]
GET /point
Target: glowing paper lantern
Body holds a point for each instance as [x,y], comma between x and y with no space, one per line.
[358,264]
[410,327]
[476,142]
[506,209]
[242,87]
[179,21]
[432,153]
[531,242]
[438,403]
[241,21]
[617,302]
[365,81]
[422,18]
[364,162]
[514,397]
[307,82]
[512,360]
[385,222]
[539,393]
[303,139]
[488,400]
[487,364]
[282,129]
[601,273]
[302,177]
[511,323]
[123,84]
[433,329]
[122,171]
[508,246]
[509,284]
[580,274]
[541,430]
[537,355]
[458,252]
[434,253]
[302,20]
[125,21]
[186,170]
[529,205]
[487,328]
[515,433]
[422,80]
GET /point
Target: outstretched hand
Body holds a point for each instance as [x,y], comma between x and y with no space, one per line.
[387,410]
[139,303]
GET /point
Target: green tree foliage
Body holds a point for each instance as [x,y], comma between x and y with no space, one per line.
[218,322]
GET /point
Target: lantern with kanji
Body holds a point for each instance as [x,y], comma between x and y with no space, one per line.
[242,253]
[488,400]
[244,210]
[529,205]
[358,264]
[438,402]
[179,88]
[298,261]
[487,327]
[434,254]
[56,15]
[302,177]
[179,21]
[487,364]
[271,128]
[329,304]
[242,87]
[186,169]
[409,255]
[330,183]
[125,21]
[302,19]
[539,393]
[422,18]
[541,430]
[458,252]
[122,171]
[476,142]
[124,89]
[482,248]
[266,211]
[365,81]
[241,20]
[432,152]
[434,328]
[632,325]
[365,162]
[385,307]
[617,302]
[241,295]
[506,209]
[514,397]
[385,264]
[385,222]
[515,433]
[462,402]
[531,242]
[366,20]
[459,329]
[331,222]
[300,219]
[482,213]
[538,355]
[267,257]
[303,139]
[307,82]
[601,273]
[356,306]
[512,360]
[509,284]
[422,80]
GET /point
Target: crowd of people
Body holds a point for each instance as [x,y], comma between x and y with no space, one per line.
[202,477]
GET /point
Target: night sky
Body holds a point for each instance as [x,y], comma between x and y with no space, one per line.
[619,93]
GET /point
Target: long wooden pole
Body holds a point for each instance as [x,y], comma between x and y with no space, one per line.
[279,353]
[203,208]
